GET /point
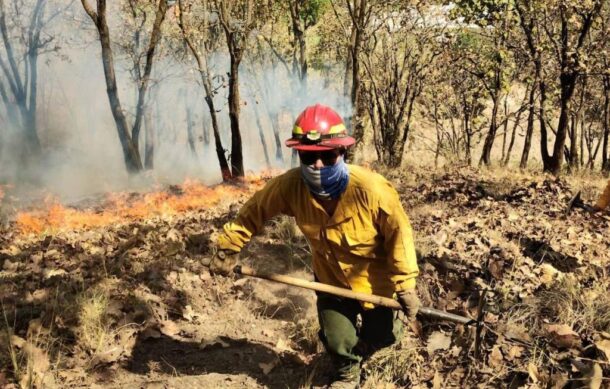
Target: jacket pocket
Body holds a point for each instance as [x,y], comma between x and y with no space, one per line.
[361,242]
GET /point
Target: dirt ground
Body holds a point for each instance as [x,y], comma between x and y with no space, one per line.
[129,305]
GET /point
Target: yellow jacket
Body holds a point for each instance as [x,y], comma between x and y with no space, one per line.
[604,199]
[367,245]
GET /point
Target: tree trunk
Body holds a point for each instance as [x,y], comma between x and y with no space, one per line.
[593,156]
[572,155]
[606,126]
[496,93]
[237,162]
[300,44]
[150,141]
[439,134]
[491,134]
[527,144]
[582,142]
[294,158]
[225,171]
[544,147]
[11,114]
[206,132]
[348,76]
[190,130]
[505,130]
[19,88]
[31,124]
[352,69]
[155,36]
[576,152]
[515,126]
[567,82]
[275,120]
[131,153]
[468,133]
[261,134]
[359,111]
[204,73]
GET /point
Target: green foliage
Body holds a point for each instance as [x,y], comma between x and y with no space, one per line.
[465,39]
[480,12]
[484,57]
[312,11]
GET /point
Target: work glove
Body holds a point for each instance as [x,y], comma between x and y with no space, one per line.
[409,301]
[223,262]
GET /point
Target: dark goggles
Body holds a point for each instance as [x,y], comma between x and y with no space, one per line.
[328,158]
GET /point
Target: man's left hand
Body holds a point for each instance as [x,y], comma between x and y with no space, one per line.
[409,301]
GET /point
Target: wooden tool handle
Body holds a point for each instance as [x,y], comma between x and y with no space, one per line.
[342,292]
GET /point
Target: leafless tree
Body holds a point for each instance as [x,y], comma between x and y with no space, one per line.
[397,64]
[358,32]
[557,32]
[238,18]
[200,35]
[129,139]
[24,41]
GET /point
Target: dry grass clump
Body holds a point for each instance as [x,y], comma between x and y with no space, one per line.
[285,230]
[94,328]
[8,351]
[400,364]
[305,334]
[598,314]
[29,358]
[567,302]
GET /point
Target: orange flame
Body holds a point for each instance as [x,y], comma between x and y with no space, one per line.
[121,207]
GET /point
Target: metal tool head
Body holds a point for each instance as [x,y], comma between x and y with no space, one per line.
[480,323]
[575,202]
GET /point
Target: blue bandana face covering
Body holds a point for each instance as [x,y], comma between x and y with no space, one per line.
[326,183]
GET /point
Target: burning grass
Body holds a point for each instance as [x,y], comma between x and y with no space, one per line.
[54,217]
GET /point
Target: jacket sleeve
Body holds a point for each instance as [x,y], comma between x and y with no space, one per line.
[265,204]
[604,199]
[398,240]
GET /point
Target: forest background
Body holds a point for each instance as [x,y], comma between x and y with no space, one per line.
[93,94]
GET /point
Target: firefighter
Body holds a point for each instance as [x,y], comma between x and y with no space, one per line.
[604,200]
[359,234]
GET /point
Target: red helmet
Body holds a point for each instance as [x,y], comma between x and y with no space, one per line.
[319,128]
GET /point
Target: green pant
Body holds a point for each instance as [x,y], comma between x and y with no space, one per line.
[348,343]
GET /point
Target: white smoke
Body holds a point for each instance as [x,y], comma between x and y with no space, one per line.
[81,150]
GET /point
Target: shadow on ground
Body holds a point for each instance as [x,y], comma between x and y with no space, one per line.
[266,365]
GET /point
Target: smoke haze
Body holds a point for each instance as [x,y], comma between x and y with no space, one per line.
[81,150]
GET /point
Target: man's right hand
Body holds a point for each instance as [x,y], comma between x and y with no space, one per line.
[223,262]
[409,301]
